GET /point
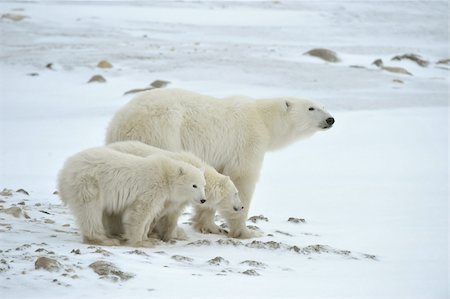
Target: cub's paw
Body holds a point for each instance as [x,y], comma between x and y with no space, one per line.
[211,229]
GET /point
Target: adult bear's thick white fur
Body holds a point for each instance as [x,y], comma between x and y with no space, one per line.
[103,180]
[232,135]
[220,192]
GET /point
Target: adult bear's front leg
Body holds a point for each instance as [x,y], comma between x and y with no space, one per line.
[237,225]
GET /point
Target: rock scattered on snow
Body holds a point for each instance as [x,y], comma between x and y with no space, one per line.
[444,61]
[378,62]
[265,245]
[6,192]
[180,258]
[218,260]
[100,251]
[255,219]
[251,272]
[354,66]
[48,264]
[296,220]
[255,264]
[203,242]
[324,54]
[107,270]
[413,57]
[14,211]
[136,90]
[159,83]
[49,66]
[397,70]
[55,193]
[44,250]
[319,249]
[283,233]
[23,247]
[398,81]
[138,252]
[153,85]
[48,221]
[76,251]
[4,266]
[104,64]
[392,69]
[97,78]
[13,17]
[23,191]
[229,242]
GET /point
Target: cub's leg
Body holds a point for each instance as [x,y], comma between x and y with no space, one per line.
[88,211]
[137,218]
[203,221]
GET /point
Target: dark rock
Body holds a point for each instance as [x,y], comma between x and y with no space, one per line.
[413,57]
[444,61]
[97,78]
[255,219]
[180,258]
[255,264]
[22,191]
[217,261]
[159,84]
[296,220]
[251,272]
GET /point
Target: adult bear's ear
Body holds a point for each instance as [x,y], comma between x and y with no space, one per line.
[288,105]
[181,171]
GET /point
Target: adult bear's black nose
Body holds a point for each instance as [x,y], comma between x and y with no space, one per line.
[330,121]
[202,200]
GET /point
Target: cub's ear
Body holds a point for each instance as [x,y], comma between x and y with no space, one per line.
[288,105]
[181,171]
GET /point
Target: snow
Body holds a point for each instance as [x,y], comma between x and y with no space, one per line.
[375,184]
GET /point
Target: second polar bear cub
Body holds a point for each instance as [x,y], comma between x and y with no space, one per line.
[221,193]
[101,180]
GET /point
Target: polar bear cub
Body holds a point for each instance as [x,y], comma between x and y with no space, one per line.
[221,193]
[101,180]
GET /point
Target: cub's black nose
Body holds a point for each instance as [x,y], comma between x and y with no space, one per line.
[330,121]
[202,200]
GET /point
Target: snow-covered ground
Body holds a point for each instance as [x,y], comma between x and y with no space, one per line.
[373,190]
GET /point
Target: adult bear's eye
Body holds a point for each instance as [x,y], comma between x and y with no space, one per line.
[311,108]
[195,186]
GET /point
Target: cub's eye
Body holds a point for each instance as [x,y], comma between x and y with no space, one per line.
[311,108]
[194,186]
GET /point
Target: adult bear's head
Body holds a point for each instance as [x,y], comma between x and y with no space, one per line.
[290,119]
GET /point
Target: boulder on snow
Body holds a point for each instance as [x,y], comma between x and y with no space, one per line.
[324,54]
[48,264]
[97,78]
[107,270]
[104,64]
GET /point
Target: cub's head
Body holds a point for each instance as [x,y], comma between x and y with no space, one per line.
[188,184]
[293,118]
[223,194]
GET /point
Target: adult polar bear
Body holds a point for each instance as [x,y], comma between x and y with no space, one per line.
[230,134]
